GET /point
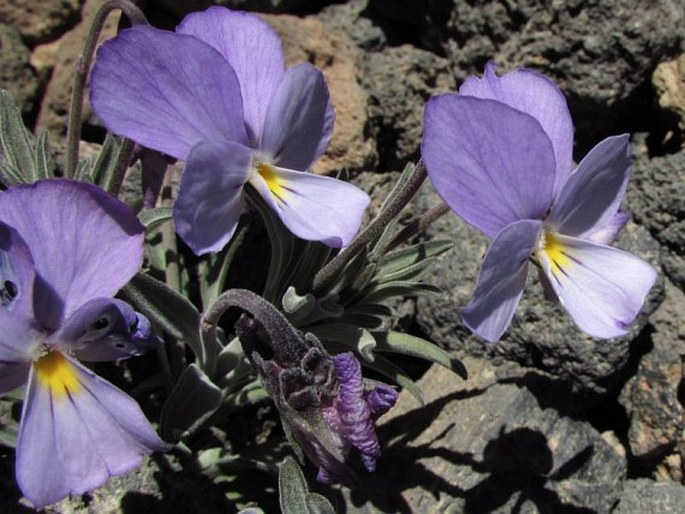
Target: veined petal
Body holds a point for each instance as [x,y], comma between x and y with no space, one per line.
[19,340]
[607,233]
[313,207]
[85,243]
[76,431]
[492,164]
[17,273]
[105,329]
[251,47]
[299,120]
[593,193]
[501,280]
[166,91]
[537,96]
[210,197]
[602,288]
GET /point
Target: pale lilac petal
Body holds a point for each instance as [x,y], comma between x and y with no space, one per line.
[251,47]
[18,342]
[299,119]
[492,164]
[72,441]
[602,288]
[85,243]
[593,193]
[210,198]
[537,96]
[166,91]
[501,280]
[105,329]
[17,273]
[606,234]
[313,207]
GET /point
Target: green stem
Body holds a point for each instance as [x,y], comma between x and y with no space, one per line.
[330,270]
[82,66]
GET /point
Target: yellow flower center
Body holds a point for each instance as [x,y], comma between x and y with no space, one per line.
[555,251]
[56,373]
[268,173]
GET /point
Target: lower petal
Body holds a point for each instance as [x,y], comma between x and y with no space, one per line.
[210,199]
[76,431]
[501,279]
[602,288]
[313,207]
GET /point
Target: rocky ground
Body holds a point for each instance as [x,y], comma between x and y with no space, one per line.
[549,420]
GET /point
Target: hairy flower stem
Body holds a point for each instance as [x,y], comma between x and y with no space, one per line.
[418,225]
[330,270]
[136,17]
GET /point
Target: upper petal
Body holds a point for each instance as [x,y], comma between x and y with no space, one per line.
[313,207]
[299,121]
[537,96]
[105,329]
[492,164]
[76,431]
[18,342]
[166,91]
[252,48]
[602,288]
[501,280]
[593,193]
[17,273]
[210,198]
[85,243]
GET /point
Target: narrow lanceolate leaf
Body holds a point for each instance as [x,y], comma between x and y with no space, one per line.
[150,218]
[407,257]
[16,143]
[107,159]
[45,165]
[397,342]
[397,375]
[294,495]
[351,336]
[386,290]
[192,401]
[168,309]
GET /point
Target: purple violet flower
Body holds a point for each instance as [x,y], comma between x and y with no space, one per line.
[217,95]
[500,155]
[65,249]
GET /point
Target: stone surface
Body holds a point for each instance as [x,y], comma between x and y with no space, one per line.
[656,199]
[486,445]
[647,497]
[396,104]
[16,74]
[650,397]
[40,22]
[669,82]
[307,39]
[541,335]
[65,52]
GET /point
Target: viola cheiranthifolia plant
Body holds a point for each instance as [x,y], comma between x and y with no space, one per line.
[65,249]
[500,155]
[216,94]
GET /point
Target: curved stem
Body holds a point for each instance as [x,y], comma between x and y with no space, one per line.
[418,225]
[330,270]
[136,17]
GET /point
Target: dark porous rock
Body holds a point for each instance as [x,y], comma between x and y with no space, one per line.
[399,82]
[486,445]
[350,18]
[645,496]
[656,199]
[40,22]
[16,74]
[600,53]
[542,335]
[650,397]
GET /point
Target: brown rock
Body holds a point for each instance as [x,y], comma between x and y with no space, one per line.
[307,39]
[16,74]
[66,51]
[669,81]
[40,22]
